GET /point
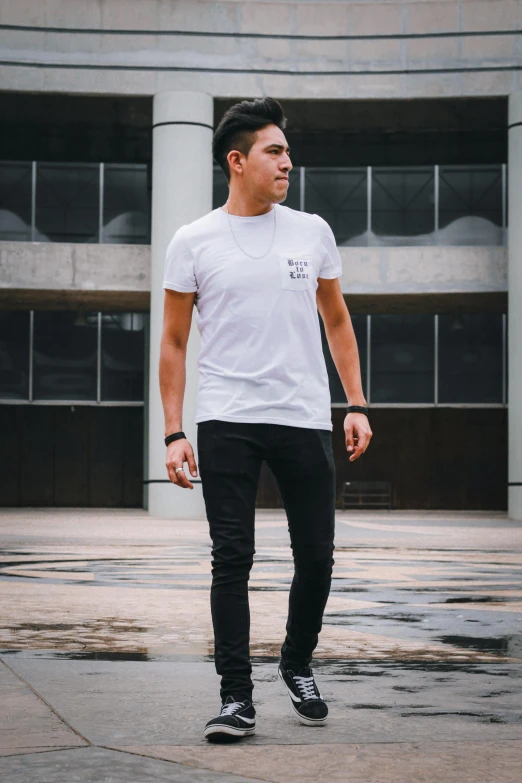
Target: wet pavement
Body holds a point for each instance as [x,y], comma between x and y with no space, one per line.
[106,651]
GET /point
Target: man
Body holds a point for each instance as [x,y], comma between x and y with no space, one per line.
[258,272]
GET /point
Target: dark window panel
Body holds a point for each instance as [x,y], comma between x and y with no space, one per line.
[67,202]
[470,205]
[403,206]
[401,357]
[219,187]
[506,359]
[65,355]
[123,356]
[15,201]
[292,199]
[470,358]
[14,355]
[337,392]
[126,204]
[340,197]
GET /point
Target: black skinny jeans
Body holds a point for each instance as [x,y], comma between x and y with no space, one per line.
[301,459]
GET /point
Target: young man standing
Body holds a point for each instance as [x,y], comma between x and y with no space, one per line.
[258,272]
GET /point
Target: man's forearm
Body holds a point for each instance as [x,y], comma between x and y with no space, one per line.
[172,378]
[345,354]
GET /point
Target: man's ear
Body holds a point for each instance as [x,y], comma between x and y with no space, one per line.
[234,160]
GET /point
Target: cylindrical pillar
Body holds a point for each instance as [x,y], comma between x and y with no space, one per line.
[515,306]
[181,193]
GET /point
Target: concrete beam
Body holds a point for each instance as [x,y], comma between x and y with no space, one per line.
[391,49]
[83,272]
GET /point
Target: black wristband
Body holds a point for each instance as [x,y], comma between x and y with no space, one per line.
[357,409]
[174,436]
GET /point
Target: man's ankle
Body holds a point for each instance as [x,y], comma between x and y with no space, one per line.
[237,697]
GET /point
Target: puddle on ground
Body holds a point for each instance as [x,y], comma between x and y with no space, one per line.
[479,599]
[486,644]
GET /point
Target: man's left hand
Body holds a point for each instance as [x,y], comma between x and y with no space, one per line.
[357,432]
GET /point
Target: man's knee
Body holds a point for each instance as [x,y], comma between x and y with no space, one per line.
[234,560]
[314,566]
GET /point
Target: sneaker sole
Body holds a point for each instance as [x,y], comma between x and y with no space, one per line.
[301,718]
[229,731]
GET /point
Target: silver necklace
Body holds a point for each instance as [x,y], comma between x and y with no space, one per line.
[237,243]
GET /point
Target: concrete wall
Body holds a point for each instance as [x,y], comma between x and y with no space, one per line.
[125,269]
[388,49]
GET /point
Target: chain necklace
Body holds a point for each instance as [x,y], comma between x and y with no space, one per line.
[237,243]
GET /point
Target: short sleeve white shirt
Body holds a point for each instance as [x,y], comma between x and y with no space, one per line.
[261,357]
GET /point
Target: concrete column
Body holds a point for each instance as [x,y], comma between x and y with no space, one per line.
[515,306]
[181,193]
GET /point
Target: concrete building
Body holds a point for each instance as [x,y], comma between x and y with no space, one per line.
[405,123]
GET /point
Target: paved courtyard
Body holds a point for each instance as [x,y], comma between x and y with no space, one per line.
[106,670]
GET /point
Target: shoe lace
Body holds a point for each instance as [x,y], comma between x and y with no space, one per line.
[306,686]
[229,709]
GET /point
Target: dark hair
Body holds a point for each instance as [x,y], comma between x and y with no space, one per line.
[238,126]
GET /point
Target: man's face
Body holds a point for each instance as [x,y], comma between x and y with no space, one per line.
[264,173]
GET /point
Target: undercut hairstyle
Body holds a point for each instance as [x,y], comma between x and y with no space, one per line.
[238,126]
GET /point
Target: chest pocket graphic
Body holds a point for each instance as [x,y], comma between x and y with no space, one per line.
[297,271]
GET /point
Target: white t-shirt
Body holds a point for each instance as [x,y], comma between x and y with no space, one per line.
[261,358]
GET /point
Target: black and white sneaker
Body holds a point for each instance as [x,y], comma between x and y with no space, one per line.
[236,719]
[305,698]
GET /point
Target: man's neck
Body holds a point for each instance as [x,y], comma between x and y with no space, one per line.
[245,207]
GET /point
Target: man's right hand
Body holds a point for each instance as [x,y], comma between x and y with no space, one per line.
[178,452]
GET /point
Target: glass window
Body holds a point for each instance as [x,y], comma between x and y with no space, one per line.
[339,196]
[337,392]
[126,210]
[123,356]
[219,187]
[15,201]
[470,357]
[14,354]
[67,202]
[401,358]
[65,355]
[403,205]
[470,205]
[292,199]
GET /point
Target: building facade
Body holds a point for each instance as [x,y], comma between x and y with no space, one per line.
[405,123]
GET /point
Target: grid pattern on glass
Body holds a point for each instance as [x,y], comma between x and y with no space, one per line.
[293,194]
[126,204]
[67,202]
[470,358]
[402,358]
[339,195]
[122,356]
[337,393]
[402,210]
[449,205]
[470,205]
[15,201]
[219,187]
[65,355]
[14,354]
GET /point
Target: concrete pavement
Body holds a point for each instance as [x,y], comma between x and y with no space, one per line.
[106,644]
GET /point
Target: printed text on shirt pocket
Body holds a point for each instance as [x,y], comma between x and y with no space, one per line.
[297,271]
